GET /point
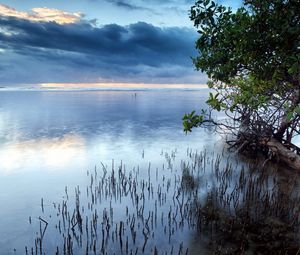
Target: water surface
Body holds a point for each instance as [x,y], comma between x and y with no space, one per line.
[49,139]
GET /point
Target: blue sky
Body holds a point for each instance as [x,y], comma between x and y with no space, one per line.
[88,41]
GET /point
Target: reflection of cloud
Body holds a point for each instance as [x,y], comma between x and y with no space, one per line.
[41,14]
[50,152]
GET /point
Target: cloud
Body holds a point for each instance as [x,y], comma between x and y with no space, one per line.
[41,14]
[157,7]
[42,51]
[127,5]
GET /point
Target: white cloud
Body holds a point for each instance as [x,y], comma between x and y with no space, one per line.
[41,14]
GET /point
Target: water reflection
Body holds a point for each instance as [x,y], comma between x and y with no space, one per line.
[48,140]
[41,130]
[55,152]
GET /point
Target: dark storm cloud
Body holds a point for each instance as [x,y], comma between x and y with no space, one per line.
[139,50]
[156,7]
[137,43]
[128,5]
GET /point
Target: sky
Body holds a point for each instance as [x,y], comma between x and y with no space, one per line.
[98,41]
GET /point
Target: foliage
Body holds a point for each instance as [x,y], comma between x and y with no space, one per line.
[252,59]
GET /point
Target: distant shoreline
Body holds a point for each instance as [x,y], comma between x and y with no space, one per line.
[97,89]
[102,87]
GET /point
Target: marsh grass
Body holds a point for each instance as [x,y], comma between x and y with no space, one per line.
[231,208]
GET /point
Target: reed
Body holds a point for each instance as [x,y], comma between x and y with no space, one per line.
[231,208]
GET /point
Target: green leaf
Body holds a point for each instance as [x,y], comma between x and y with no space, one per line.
[297,110]
[289,116]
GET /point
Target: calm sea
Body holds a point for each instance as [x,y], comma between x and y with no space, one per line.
[50,139]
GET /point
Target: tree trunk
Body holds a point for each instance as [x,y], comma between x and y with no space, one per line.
[285,123]
[285,155]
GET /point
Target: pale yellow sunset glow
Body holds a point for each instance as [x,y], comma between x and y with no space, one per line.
[41,14]
[120,86]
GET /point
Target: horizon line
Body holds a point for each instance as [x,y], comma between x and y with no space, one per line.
[120,85]
[102,86]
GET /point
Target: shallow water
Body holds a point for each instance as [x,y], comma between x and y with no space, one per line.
[49,139]
[118,164]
